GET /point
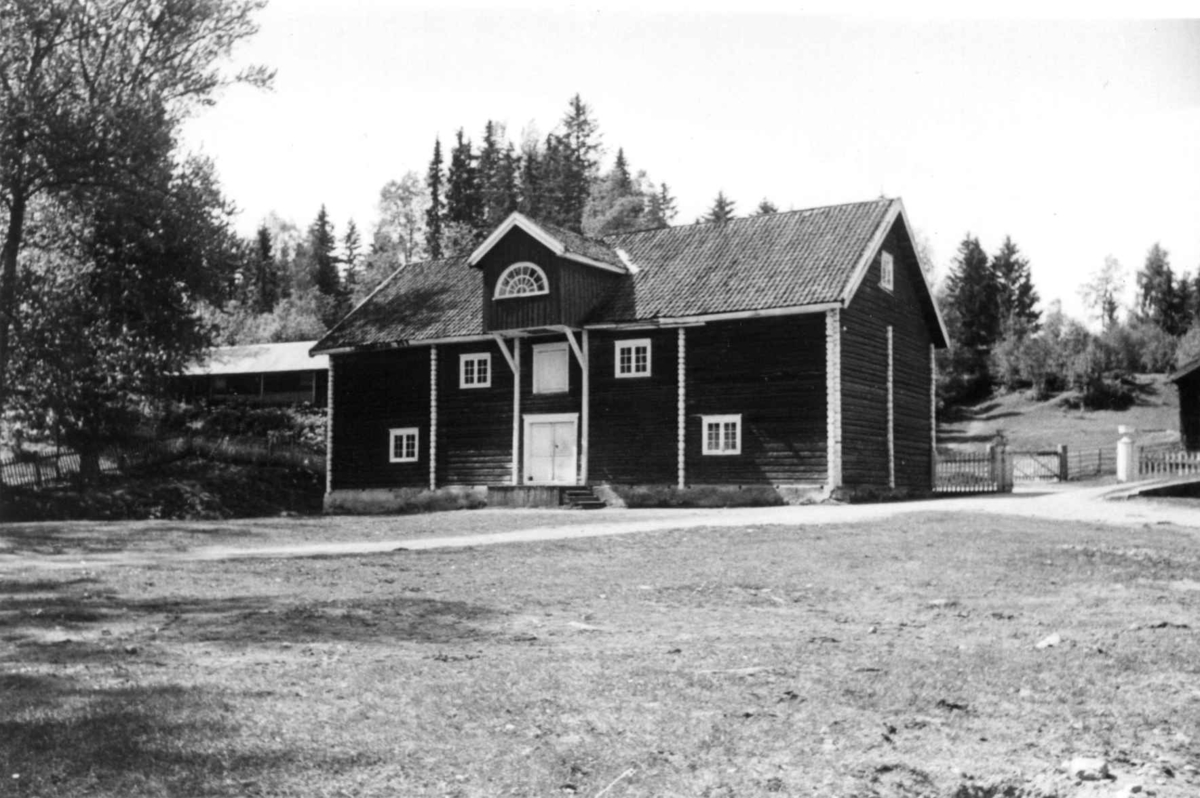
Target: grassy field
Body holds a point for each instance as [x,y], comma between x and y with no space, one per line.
[1044,425]
[883,660]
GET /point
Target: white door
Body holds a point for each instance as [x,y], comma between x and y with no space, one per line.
[550,450]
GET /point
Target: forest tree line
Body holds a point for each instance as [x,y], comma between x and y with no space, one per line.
[1002,340]
[293,285]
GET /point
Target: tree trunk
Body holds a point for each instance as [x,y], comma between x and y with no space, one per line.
[8,284]
[89,465]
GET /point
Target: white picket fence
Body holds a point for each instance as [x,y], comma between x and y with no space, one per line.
[1165,462]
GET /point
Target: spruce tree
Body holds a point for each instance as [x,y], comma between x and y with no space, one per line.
[266,288]
[497,176]
[722,210]
[1015,294]
[331,295]
[619,177]
[766,207]
[464,198]
[321,239]
[971,297]
[577,153]
[490,159]
[1158,294]
[556,185]
[530,181]
[351,247]
[436,211]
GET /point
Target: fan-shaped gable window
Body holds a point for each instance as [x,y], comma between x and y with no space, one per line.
[521,279]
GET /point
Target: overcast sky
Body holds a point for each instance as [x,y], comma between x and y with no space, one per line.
[1079,138]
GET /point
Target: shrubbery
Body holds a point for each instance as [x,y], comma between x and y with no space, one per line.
[1093,371]
[302,425]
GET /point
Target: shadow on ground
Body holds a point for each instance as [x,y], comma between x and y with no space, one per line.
[84,537]
[158,740]
[79,620]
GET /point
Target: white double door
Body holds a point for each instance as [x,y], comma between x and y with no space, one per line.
[551,448]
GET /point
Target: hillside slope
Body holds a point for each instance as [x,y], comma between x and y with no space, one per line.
[1044,425]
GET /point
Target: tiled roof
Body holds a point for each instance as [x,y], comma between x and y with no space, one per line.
[773,261]
[430,300]
[578,244]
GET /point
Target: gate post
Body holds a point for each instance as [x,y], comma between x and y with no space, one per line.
[1001,466]
[1128,457]
[1064,469]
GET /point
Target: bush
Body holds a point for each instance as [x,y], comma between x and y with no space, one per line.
[1032,362]
[1155,348]
[301,425]
[962,376]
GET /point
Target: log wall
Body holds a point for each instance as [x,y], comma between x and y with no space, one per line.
[772,372]
[864,375]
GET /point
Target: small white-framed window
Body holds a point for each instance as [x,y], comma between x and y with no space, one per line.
[403,445]
[633,358]
[722,434]
[551,368]
[887,270]
[475,370]
[521,279]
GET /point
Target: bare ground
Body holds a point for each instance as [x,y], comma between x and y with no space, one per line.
[886,657]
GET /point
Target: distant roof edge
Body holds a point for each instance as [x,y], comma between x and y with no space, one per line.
[1185,370]
[259,358]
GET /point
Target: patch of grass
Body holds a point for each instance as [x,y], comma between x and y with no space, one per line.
[1031,424]
[895,658]
[704,496]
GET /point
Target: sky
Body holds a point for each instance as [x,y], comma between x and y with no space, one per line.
[1079,138]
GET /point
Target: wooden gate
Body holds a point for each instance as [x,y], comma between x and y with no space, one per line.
[1040,466]
[985,471]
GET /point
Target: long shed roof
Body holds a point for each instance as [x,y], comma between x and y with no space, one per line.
[259,358]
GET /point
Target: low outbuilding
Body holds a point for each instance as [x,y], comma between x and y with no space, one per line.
[267,374]
[1187,380]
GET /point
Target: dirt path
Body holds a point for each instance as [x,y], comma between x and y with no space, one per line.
[1069,503]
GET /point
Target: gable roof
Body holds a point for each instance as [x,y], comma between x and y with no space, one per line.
[258,358]
[562,242]
[797,261]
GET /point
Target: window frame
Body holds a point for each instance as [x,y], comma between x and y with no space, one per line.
[474,357]
[555,347]
[722,420]
[400,432]
[524,264]
[632,344]
[887,271]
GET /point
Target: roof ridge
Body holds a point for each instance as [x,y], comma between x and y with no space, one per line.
[745,219]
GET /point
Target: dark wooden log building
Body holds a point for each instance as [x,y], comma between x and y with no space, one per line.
[792,349]
[1187,380]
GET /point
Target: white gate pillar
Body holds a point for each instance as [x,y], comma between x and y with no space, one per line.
[1128,456]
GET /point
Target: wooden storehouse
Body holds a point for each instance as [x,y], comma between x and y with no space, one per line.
[1187,380]
[792,350]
